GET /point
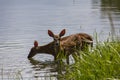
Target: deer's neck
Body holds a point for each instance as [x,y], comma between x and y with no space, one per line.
[48,49]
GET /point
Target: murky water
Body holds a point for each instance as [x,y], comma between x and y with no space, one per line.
[23,21]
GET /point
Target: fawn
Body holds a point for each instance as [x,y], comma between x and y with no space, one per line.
[68,44]
[45,49]
[48,49]
[71,43]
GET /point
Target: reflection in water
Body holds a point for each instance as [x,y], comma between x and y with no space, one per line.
[113,4]
[46,69]
[110,7]
[43,69]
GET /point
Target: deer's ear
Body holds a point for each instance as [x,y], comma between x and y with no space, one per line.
[50,33]
[62,33]
[35,43]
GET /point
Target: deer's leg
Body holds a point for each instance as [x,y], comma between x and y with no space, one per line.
[75,56]
[55,58]
[67,59]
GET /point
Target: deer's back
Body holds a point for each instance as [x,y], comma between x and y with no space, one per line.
[84,35]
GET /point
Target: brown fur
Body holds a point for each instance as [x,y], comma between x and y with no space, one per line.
[71,43]
[68,44]
[45,49]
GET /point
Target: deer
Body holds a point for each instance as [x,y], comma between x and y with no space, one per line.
[45,49]
[52,47]
[72,42]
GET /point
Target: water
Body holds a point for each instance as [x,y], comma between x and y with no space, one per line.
[23,21]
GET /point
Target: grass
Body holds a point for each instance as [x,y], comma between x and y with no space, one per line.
[10,75]
[103,63]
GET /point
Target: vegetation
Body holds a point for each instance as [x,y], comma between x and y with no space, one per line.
[103,63]
[10,75]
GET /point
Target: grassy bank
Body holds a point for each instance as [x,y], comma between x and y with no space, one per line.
[103,63]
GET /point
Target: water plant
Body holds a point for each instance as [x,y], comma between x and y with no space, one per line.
[103,63]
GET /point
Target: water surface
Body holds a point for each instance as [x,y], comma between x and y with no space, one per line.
[23,21]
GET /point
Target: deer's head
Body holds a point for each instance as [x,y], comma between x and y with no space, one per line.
[56,38]
[33,50]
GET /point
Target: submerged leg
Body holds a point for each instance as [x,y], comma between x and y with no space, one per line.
[67,59]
